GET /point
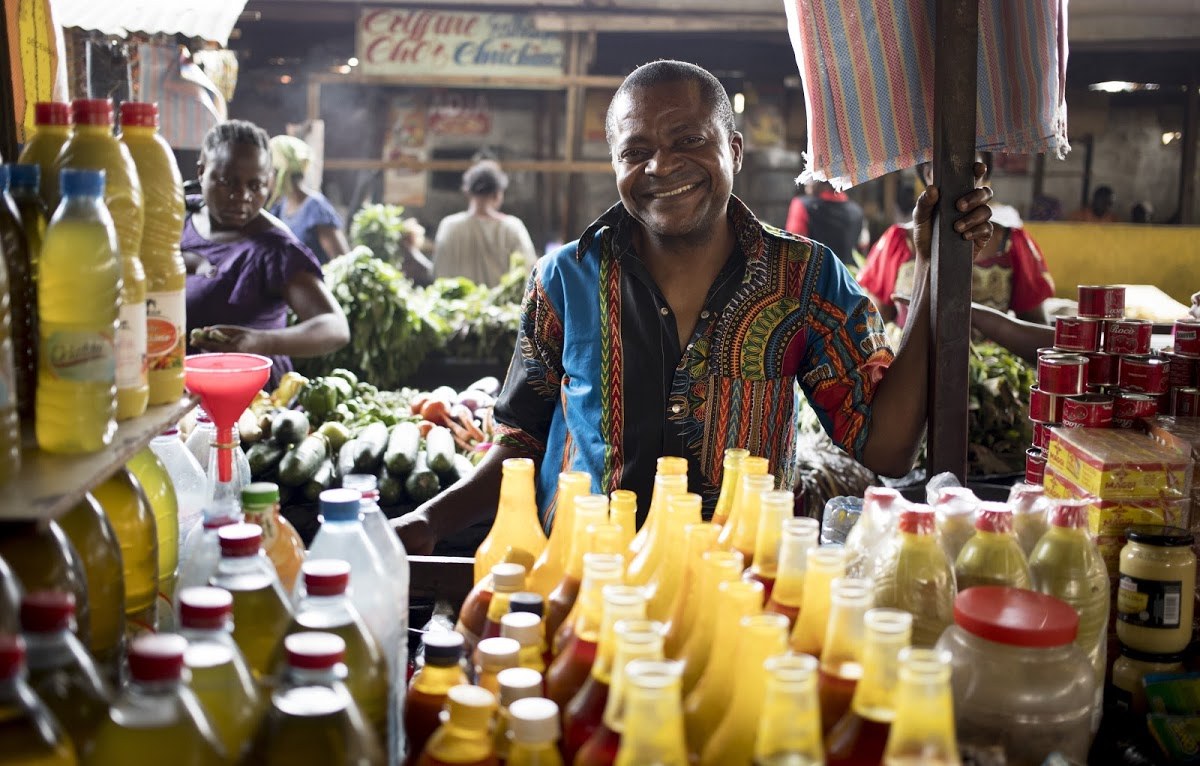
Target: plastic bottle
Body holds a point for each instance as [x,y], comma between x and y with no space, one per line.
[775,507]
[745,526]
[52,125]
[162,198]
[187,477]
[859,737]
[156,713]
[698,539]
[789,731]
[10,426]
[199,442]
[731,466]
[515,684]
[716,567]
[914,575]
[993,555]
[10,600]
[750,466]
[516,525]
[22,296]
[77,323]
[95,542]
[608,569]
[156,482]
[312,717]
[430,684]
[472,615]
[41,557]
[30,734]
[492,656]
[705,704]
[507,579]
[465,736]
[841,655]
[604,538]
[683,510]
[825,564]
[202,547]
[534,731]
[665,466]
[658,541]
[587,511]
[1031,514]
[261,612]
[955,508]
[548,571]
[281,541]
[124,502]
[325,606]
[923,732]
[800,535]
[876,525]
[526,629]
[573,663]
[652,728]
[220,677]
[239,479]
[61,672]
[622,512]
[24,182]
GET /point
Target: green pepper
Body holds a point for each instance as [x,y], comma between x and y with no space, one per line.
[344,390]
[346,375]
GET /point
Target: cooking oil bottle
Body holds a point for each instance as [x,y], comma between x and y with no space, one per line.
[750,466]
[731,466]
[41,557]
[124,503]
[587,511]
[549,567]
[993,556]
[789,732]
[464,738]
[52,125]
[915,575]
[93,538]
[29,735]
[160,492]
[22,295]
[10,426]
[776,507]
[281,541]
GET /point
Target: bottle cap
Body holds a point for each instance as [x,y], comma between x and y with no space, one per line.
[518,683]
[1153,534]
[47,611]
[12,655]
[882,496]
[205,608]
[24,176]
[533,720]
[994,517]
[1071,514]
[364,483]
[92,111]
[157,657]
[139,114]
[51,113]
[527,602]
[260,493]
[918,520]
[81,183]
[1024,496]
[524,627]
[1015,617]
[443,648]
[470,706]
[314,651]
[325,577]
[341,504]
[238,540]
[507,576]
[170,431]
[496,654]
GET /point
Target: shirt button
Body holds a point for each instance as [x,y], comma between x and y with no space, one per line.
[704,314]
[676,408]
[665,311]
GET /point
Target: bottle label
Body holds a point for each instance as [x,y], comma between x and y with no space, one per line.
[165,321]
[80,356]
[1149,603]
[265,518]
[131,346]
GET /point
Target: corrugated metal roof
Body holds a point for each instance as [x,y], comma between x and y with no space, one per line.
[208,19]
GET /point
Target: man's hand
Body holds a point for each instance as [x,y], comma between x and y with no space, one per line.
[975,225]
[230,338]
[415,532]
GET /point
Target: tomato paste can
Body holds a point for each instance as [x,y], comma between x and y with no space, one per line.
[1185,402]
[1144,374]
[1062,374]
[1101,369]
[1186,335]
[1087,411]
[1183,372]
[1041,434]
[1128,336]
[1044,407]
[1101,301]
[1077,334]
[1035,466]
[1130,407]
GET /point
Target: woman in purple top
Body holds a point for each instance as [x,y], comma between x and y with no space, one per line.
[245,269]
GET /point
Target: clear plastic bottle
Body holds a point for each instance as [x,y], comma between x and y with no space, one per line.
[841,657]
[923,732]
[473,615]
[914,575]
[587,510]
[200,439]
[1031,514]
[124,502]
[731,465]
[750,466]
[24,182]
[573,664]
[548,570]
[465,735]
[187,477]
[202,547]
[683,510]
[156,713]
[825,564]
[52,125]
[716,567]
[220,677]
[281,541]
[745,526]
[430,684]
[14,248]
[93,538]
[516,525]
[77,323]
[493,655]
[698,539]
[775,508]
[876,525]
[261,612]
[659,540]
[800,535]
[993,555]
[653,723]
[42,557]
[666,466]
[152,475]
[515,684]
[955,508]
[240,479]
[789,732]
[534,731]
[526,629]
[29,734]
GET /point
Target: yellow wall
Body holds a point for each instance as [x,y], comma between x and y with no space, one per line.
[1092,253]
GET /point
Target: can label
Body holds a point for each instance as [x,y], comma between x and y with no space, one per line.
[1186,336]
[1087,411]
[1041,435]
[1062,374]
[1133,405]
[165,322]
[1101,369]
[1186,402]
[79,356]
[1183,370]
[1128,336]
[1149,603]
[1044,407]
[1101,301]
[131,346]
[1077,334]
[1035,466]
[1144,374]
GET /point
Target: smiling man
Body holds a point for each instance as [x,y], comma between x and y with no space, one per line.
[678,324]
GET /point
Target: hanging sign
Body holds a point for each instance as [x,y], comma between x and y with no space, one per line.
[404,41]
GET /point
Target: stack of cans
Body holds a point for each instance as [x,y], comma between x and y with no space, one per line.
[1183,378]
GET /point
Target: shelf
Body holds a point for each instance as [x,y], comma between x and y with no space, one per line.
[49,485]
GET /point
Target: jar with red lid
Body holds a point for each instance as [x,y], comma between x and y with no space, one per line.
[1021,685]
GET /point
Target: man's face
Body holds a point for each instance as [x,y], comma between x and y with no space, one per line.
[235,181]
[674,162]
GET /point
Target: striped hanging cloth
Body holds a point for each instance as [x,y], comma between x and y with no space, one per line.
[868,82]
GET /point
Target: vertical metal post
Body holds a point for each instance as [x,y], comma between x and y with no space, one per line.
[955,94]
[1191,137]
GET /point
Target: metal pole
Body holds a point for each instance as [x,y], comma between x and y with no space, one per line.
[1191,136]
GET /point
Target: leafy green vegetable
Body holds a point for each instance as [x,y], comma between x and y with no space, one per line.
[379,228]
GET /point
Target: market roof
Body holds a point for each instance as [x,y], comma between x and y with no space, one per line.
[208,19]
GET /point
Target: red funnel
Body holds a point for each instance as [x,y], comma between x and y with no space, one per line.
[226,384]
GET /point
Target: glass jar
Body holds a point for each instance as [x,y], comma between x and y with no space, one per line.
[1157,589]
[1020,683]
[1128,695]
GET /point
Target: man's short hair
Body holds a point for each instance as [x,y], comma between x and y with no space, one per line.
[667,71]
[484,179]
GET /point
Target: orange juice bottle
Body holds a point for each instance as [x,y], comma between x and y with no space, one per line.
[77,321]
[789,732]
[516,525]
[23,299]
[91,144]
[732,469]
[622,512]
[549,568]
[281,541]
[124,503]
[646,561]
[667,466]
[160,493]
[52,125]
[162,195]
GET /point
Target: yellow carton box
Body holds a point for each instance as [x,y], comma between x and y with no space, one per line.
[1118,464]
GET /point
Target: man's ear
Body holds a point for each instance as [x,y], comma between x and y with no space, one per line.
[735,143]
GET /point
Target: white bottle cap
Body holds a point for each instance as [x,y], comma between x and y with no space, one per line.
[533,720]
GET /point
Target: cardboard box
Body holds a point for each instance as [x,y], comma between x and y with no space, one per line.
[1182,434]
[1111,517]
[1118,464]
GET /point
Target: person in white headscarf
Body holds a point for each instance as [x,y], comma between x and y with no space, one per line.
[306,211]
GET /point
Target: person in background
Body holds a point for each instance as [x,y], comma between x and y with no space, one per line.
[1104,199]
[305,211]
[413,263]
[478,243]
[1045,208]
[1142,212]
[245,268]
[827,216]
[1009,273]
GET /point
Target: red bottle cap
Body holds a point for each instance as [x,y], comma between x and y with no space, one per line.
[314,651]
[157,658]
[239,540]
[1071,514]
[205,608]
[325,577]
[919,520]
[51,113]
[92,111]
[883,496]
[1015,617]
[994,517]
[139,114]
[12,656]
[47,611]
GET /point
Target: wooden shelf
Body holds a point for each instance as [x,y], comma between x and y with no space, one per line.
[49,485]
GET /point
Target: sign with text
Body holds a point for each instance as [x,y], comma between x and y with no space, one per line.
[395,41]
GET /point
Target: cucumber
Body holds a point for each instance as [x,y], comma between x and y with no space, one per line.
[439,449]
[372,441]
[463,468]
[289,427]
[422,484]
[321,481]
[302,463]
[345,458]
[402,448]
[263,457]
[336,433]
[391,490]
